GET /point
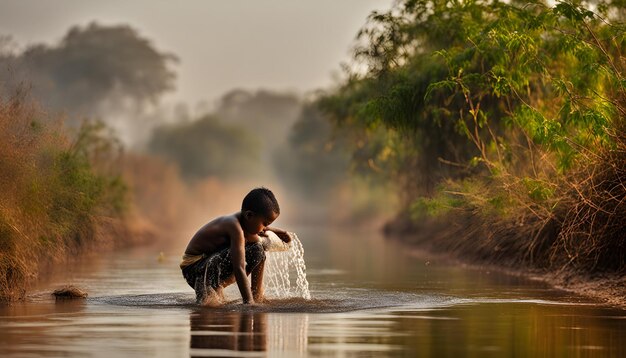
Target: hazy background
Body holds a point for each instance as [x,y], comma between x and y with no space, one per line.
[277,44]
[207,99]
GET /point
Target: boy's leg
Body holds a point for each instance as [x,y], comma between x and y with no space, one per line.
[194,275]
[255,261]
[255,264]
[210,275]
[204,277]
[255,255]
[257,282]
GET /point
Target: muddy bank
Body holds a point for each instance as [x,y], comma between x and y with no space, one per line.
[521,247]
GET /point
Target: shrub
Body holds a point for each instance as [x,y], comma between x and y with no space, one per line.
[51,193]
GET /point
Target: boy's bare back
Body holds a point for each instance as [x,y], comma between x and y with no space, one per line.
[216,235]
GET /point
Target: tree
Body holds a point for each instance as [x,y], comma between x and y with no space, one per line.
[530,95]
[92,65]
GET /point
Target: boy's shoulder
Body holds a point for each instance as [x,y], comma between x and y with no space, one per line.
[226,222]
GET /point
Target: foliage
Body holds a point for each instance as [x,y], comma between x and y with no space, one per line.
[521,81]
[52,194]
[523,102]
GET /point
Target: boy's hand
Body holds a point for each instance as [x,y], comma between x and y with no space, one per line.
[284,236]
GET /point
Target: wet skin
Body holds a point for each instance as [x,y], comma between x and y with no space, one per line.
[235,231]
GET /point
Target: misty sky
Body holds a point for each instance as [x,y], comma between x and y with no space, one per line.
[277,44]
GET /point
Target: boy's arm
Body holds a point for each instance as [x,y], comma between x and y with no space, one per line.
[238,258]
[282,234]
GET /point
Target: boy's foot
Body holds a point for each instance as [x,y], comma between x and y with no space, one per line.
[260,299]
[220,293]
[212,301]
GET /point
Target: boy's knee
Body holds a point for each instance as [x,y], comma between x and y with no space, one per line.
[258,250]
[255,253]
[227,281]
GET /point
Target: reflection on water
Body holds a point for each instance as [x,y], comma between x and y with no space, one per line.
[249,334]
[235,331]
[370,298]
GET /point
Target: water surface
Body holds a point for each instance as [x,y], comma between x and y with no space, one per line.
[371,297]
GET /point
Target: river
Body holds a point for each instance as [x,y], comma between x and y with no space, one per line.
[371,298]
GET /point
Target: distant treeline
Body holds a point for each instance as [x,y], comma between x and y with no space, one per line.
[93,70]
[237,139]
[509,112]
[262,134]
[113,74]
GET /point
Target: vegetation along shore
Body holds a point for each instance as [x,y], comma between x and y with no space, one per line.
[61,195]
[503,126]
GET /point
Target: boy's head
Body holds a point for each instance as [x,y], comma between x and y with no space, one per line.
[260,208]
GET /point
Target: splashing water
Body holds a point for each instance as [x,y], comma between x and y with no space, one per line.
[279,265]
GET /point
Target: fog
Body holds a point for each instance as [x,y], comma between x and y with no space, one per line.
[277,44]
[209,99]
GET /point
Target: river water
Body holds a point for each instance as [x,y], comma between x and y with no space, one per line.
[371,297]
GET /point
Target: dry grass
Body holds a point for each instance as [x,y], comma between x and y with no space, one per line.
[580,229]
[69,292]
[593,230]
[53,202]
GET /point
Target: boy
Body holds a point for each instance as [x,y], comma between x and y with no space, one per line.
[229,248]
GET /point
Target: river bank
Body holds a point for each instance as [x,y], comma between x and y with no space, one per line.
[24,268]
[463,239]
[63,195]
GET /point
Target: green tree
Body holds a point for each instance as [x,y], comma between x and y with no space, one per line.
[525,101]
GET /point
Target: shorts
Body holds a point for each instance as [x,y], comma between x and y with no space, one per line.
[209,272]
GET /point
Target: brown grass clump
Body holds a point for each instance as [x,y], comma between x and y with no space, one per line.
[584,234]
[69,291]
[593,229]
